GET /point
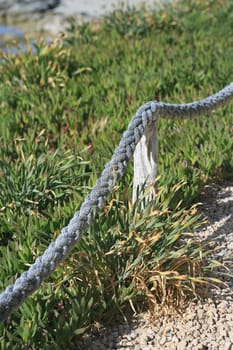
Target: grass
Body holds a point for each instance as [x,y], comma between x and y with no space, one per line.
[63,112]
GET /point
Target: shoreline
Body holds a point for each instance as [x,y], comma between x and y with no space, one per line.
[54,20]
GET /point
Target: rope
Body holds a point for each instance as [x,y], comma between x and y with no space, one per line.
[30,280]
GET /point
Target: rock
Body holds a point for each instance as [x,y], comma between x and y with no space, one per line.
[27,6]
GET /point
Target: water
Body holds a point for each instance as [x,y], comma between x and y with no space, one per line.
[8,33]
[6,30]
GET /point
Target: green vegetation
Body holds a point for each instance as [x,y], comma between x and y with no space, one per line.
[63,112]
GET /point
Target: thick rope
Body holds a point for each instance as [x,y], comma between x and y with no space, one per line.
[30,280]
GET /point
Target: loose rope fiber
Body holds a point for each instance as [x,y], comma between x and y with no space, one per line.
[30,280]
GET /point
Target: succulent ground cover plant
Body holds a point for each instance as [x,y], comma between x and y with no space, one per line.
[63,111]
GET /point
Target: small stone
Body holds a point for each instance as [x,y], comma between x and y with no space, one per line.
[227,345]
[182,345]
[163,340]
[114,334]
[171,345]
[137,347]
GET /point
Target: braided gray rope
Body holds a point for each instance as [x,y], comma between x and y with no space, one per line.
[44,265]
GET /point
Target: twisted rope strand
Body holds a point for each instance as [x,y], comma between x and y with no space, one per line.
[30,280]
